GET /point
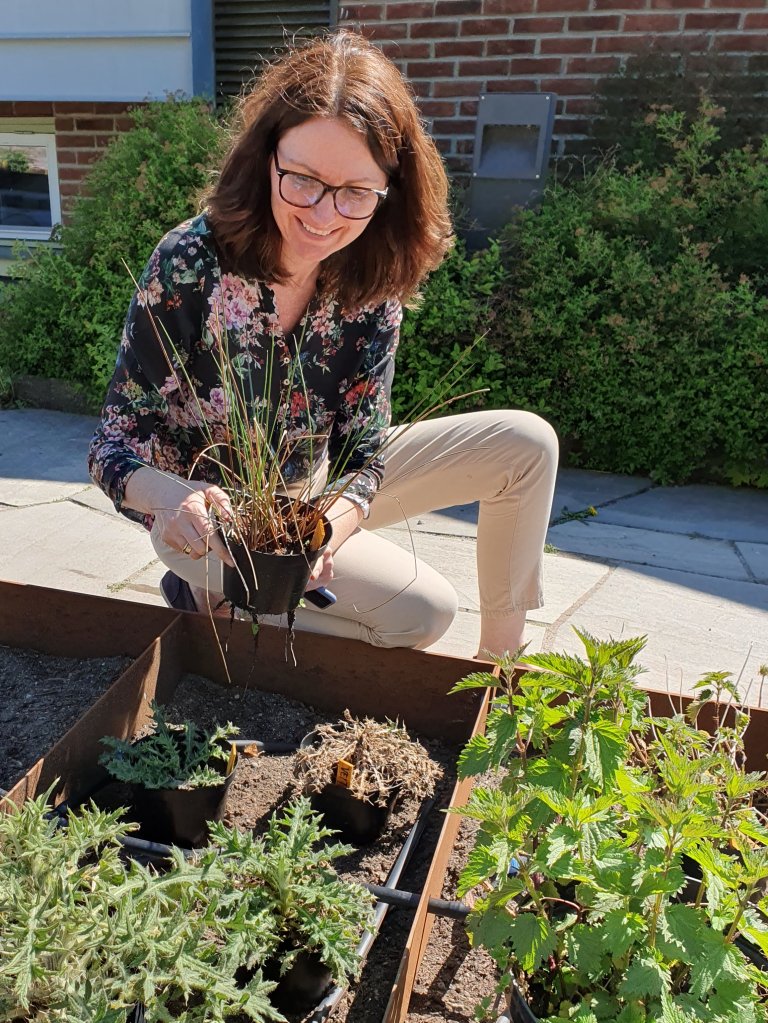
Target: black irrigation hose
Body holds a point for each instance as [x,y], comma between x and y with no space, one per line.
[334,996]
[410,900]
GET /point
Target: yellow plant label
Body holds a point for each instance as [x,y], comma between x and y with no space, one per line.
[318,536]
[232,759]
[344,772]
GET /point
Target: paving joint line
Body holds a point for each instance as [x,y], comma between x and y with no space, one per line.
[618,563]
[551,630]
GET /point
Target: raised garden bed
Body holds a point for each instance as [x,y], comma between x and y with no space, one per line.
[330,677]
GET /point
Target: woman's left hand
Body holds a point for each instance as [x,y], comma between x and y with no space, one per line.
[322,573]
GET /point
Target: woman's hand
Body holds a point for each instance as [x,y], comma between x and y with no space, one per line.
[187,512]
[322,573]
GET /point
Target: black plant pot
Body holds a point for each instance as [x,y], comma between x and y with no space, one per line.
[180,816]
[357,821]
[518,1010]
[304,984]
[265,583]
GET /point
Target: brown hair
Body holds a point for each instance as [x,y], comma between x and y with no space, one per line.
[341,75]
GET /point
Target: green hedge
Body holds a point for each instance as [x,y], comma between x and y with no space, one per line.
[633,314]
[63,313]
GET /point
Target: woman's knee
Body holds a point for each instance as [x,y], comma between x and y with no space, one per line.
[419,615]
[529,442]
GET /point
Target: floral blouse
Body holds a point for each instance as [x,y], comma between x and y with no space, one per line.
[331,377]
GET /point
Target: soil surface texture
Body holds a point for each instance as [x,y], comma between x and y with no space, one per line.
[265,782]
[42,697]
[453,977]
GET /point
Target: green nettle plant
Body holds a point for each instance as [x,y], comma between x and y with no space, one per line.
[86,934]
[622,857]
[172,756]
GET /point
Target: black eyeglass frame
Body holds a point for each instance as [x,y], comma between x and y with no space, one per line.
[380,194]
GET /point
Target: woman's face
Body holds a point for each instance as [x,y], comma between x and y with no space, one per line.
[329,150]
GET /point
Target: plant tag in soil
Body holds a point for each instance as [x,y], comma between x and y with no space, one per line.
[344,772]
[232,760]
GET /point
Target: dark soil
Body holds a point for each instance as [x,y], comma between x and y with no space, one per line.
[453,978]
[42,697]
[264,783]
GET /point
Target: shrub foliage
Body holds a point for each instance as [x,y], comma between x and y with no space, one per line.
[62,315]
[629,310]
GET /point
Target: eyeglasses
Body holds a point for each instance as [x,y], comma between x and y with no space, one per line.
[303,191]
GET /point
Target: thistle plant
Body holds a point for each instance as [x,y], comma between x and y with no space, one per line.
[173,755]
[621,861]
[289,872]
[87,933]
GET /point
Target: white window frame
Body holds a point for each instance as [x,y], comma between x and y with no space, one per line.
[48,142]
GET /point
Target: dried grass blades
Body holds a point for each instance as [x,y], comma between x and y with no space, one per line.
[383,756]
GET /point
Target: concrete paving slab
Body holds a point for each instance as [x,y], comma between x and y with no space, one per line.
[69,547]
[567,581]
[690,631]
[649,547]
[576,489]
[92,497]
[720,512]
[45,445]
[756,557]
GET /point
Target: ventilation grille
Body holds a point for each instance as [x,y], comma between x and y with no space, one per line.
[247,32]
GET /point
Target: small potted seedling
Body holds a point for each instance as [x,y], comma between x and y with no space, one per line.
[180,775]
[355,771]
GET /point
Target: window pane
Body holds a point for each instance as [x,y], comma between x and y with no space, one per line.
[25,198]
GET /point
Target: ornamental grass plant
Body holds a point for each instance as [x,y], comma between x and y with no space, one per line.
[620,866]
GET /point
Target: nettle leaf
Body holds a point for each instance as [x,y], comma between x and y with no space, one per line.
[557,849]
[475,758]
[673,1013]
[632,1013]
[645,978]
[609,745]
[549,773]
[680,932]
[586,950]
[622,929]
[489,926]
[476,680]
[481,864]
[501,731]
[532,939]
[717,961]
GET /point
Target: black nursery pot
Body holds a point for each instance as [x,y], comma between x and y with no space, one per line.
[266,583]
[179,816]
[518,1010]
[303,986]
[357,821]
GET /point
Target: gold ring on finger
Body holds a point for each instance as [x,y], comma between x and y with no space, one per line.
[187,548]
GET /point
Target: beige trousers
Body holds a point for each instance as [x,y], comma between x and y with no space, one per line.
[506,460]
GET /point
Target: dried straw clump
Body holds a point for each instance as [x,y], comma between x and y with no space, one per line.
[384,757]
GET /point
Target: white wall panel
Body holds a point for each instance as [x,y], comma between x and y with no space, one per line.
[91,50]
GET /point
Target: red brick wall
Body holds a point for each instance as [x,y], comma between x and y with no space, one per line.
[455,50]
[82,131]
